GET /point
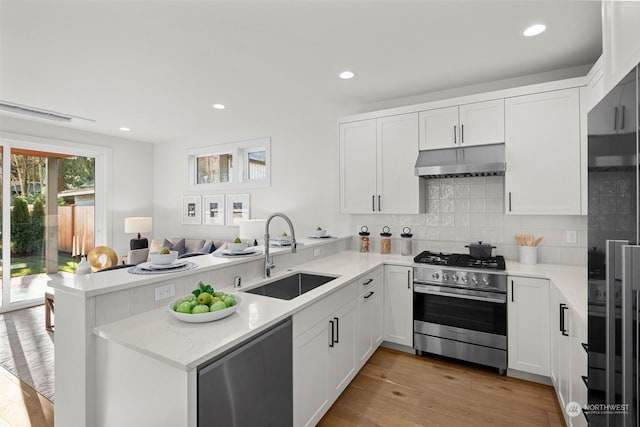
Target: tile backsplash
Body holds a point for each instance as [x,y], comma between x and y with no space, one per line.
[464,210]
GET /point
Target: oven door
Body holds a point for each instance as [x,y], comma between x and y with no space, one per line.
[460,309]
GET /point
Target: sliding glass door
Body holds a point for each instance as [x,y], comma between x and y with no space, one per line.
[48,217]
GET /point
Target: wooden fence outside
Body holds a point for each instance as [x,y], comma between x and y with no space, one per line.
[75,221]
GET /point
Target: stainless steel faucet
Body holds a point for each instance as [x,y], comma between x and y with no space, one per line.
[268,263]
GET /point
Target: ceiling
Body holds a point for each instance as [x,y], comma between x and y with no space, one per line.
[157,67]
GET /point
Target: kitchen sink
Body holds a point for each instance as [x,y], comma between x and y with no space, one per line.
[291,286]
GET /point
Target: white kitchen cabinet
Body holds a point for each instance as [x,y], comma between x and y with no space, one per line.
[542,143]
[342,354]
[528,320]
[370,315]
[595,84]
[324,354]
[568,356]
[617,112]
[377,163]
[468,124]
[620,39]
[398,304]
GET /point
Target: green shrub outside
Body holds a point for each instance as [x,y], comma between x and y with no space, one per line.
[21,231]
[37,226]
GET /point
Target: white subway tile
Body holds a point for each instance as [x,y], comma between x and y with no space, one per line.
[462,191]
[447,206]
[477,191]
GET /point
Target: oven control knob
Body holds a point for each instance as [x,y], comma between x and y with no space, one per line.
[454,277]
[445,276]
[485,281]
[474,279]
[436,276]
[464,279]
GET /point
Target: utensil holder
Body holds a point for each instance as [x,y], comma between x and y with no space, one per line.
[528,254]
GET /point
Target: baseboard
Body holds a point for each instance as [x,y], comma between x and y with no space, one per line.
[529,377]
[398,347]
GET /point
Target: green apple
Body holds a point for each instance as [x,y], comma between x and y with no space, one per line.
[177,303]
[284,234]
[200,308]
[185,307]
[204,298]
[229,300]
[318,228]
[164,251]
[217,306]
[219,294]
[237,240]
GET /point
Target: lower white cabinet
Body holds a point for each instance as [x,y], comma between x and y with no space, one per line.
[568,356]
[528,320]
[342,352]
[398,305]
[370,315]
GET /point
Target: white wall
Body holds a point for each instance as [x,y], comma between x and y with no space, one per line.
[304,173]
[129,173]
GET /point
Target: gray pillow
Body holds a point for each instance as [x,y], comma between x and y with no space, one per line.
[177,246]
[207,248]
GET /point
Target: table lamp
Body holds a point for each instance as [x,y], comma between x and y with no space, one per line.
[138,224]
[252,230]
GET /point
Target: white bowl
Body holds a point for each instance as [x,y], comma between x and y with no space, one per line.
[319,233]
[163,259]
[237,247]
[204,317]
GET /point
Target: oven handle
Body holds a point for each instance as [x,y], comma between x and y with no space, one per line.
[424,290]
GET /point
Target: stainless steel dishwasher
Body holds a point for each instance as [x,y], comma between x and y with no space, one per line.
[251,384]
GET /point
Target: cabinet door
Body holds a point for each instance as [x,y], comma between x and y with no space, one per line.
[543,153]
[482,123]
[398,314]
[311,385]
[528,335]
[620,35]
[370,316]
[358,166]
[554,336]
[342,356]
[439,128]
[578,365]
[398,186]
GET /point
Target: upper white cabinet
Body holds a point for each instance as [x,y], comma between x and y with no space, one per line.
[542,142]
[377,163]
[617,112]
[620,39]
[528,313]
[468,124]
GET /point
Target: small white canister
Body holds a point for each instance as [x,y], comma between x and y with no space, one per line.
[528,254]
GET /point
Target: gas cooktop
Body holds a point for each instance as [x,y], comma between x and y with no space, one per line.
[460,260]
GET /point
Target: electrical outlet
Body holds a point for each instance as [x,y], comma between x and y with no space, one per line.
[166,291]
[316,252]
[572,236]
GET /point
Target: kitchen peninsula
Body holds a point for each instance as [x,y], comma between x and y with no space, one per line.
[141,355]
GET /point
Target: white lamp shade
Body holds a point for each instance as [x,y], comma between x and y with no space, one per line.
[138,224]
[252,229]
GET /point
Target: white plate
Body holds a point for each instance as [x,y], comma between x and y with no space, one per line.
[175,264]
[246,251]
[203,317]
[326,236]
[281,238]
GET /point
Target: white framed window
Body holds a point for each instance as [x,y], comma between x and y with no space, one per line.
[244,164]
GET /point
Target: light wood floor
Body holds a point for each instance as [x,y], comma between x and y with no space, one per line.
[400,389]
[21,405]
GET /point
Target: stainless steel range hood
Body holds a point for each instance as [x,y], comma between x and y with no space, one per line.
[475,160]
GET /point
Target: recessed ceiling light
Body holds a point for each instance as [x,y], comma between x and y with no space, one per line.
[219,106]
[346,75]
[125,129]
[534,30]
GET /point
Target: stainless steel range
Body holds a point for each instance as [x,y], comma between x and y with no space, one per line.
[460,308]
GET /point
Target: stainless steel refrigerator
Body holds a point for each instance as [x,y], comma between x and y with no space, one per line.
[614,257]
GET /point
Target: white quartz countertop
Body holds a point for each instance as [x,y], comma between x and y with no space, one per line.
[91,285]
[186,345]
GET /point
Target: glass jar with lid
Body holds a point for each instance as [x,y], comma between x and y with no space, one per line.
[364,239]
[385,240]
[406,245]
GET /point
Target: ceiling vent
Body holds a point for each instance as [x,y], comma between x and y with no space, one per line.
[39,113]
